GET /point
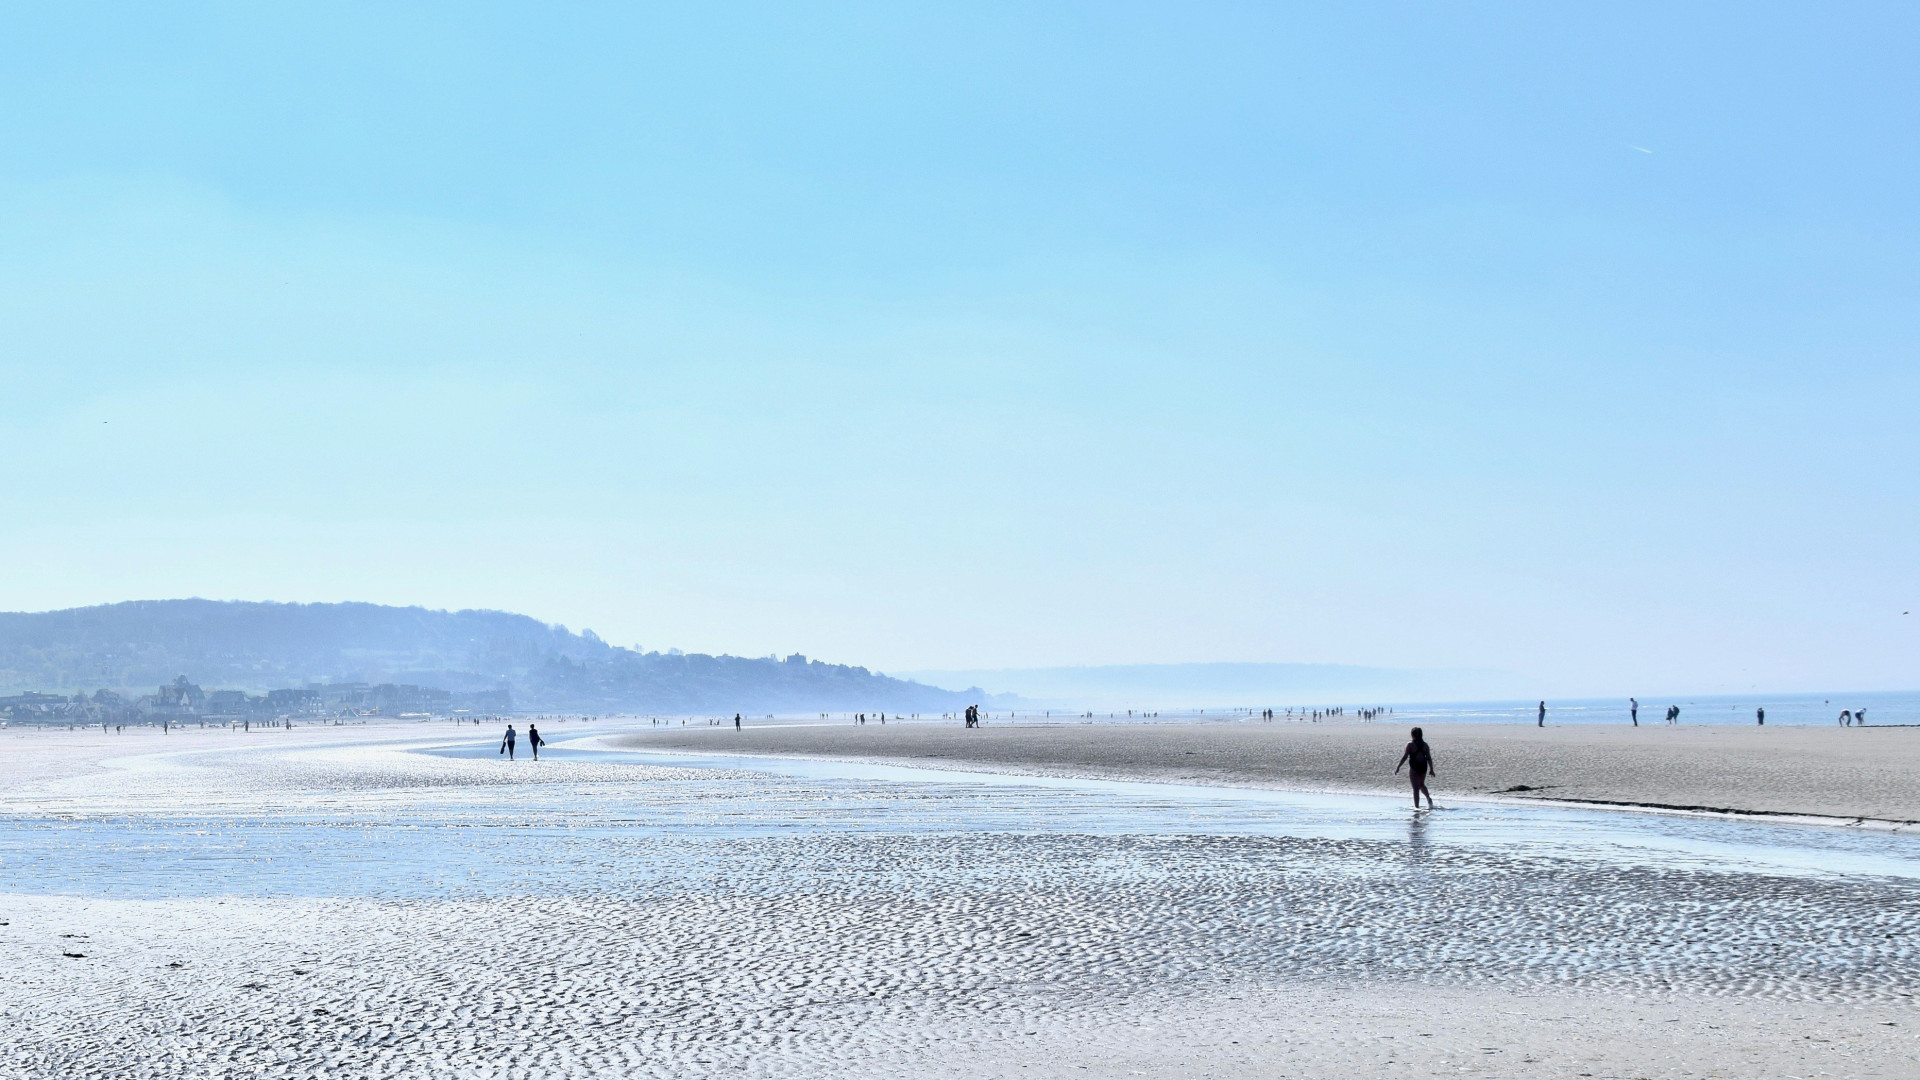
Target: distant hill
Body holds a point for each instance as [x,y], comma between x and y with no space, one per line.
[259,647]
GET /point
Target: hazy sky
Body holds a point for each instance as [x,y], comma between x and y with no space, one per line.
[985,335]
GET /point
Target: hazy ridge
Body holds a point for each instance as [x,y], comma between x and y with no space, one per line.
[140,644]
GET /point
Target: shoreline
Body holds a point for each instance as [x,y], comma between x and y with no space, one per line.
[1831,777]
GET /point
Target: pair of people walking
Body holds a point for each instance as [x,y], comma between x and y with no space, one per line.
[534,742]
[1673,712]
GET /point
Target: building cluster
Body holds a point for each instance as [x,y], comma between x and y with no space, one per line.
[181,701]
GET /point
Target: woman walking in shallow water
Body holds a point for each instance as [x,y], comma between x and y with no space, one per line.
[506,743]
[1418,759]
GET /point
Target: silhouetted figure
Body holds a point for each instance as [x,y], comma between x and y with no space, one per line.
[1846,717]
[1760,715]
[736,721]
[1633,710]
[1418,758]
[534,741]
[506,743]
[1543,714]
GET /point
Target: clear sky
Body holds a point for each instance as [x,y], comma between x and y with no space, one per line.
[1580,345]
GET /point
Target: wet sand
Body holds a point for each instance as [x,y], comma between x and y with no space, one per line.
[1848,773]
[585,917]
[249,988]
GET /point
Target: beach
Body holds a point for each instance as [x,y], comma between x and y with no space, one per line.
[355,990]
[1843,773]
[404,902]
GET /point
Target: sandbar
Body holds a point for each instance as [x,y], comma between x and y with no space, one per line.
[1850,774]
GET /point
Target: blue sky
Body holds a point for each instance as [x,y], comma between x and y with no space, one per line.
[1576,344]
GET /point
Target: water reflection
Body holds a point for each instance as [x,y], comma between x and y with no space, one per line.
[1417,837]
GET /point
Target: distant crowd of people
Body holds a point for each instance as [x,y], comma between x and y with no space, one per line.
[1416,758]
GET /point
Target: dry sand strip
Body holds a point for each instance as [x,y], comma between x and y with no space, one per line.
[1850,774]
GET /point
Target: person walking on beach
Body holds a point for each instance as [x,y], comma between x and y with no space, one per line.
[506,743]
[1418,758]
[736,721]
[1760,715]
[1633,710]
[1542,721]
[534,741]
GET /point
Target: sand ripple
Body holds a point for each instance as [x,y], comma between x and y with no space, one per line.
[632,949]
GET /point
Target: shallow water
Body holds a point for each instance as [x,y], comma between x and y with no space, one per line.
[381,820]
[1007,802]
[1127,884]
